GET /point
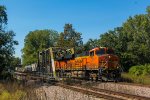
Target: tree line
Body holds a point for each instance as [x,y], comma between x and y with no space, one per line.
[7,42]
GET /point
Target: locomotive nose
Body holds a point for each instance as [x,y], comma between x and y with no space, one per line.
[108,61]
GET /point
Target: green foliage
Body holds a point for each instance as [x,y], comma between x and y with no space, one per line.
[138,37]
[136,79]
[70,38]
[137,40]
[141,70]
[15,62]
[3,16]
[92,43]
[7,41]
[148,10]
[110,38]
[36,41]
[136,70]
[7,95]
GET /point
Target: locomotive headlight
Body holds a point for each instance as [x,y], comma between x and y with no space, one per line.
[109,57]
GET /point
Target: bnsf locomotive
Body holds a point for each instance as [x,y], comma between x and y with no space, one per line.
[99,63]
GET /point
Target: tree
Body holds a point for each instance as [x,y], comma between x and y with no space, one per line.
[109,39]
[3,17]
[15,62]
[70,38]
[35,41]
[148,10]
[138,34]
[7,42]
[91,43]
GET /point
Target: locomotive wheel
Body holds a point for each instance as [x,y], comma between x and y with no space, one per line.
[104,79]
[87,76]
[96,79]
[93,77]
[101,80]
[116,80]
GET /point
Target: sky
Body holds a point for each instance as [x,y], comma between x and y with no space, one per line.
[90,17]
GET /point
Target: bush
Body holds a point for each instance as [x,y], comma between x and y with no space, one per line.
[126,77]
[141,70]
[6,94]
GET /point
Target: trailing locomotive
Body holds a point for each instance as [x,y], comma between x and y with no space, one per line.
[99,63]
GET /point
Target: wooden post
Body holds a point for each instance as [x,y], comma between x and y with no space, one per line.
[52,62]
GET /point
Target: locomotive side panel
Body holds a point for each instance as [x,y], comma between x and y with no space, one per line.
[93,60]
[92,63]
[80,63]
[61,65]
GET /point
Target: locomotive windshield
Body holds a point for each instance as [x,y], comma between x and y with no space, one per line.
[100,52]
[109,51]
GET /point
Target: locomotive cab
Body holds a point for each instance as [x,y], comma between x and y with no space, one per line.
[105,56]
[105,60]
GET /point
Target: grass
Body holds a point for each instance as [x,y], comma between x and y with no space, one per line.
[11,92]
[16,91]
[136,79]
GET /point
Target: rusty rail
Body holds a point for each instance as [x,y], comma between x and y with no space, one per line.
[102,93]
[88,92]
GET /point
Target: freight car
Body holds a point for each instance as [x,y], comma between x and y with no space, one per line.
[100,63]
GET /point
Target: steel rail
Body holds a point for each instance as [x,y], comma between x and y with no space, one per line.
[102,93]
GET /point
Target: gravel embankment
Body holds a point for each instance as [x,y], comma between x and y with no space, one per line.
[126,88]
[59,93]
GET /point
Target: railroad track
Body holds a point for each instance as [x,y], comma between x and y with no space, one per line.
[102,93]
[96,92]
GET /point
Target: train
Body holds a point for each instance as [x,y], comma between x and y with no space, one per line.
[99,63]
